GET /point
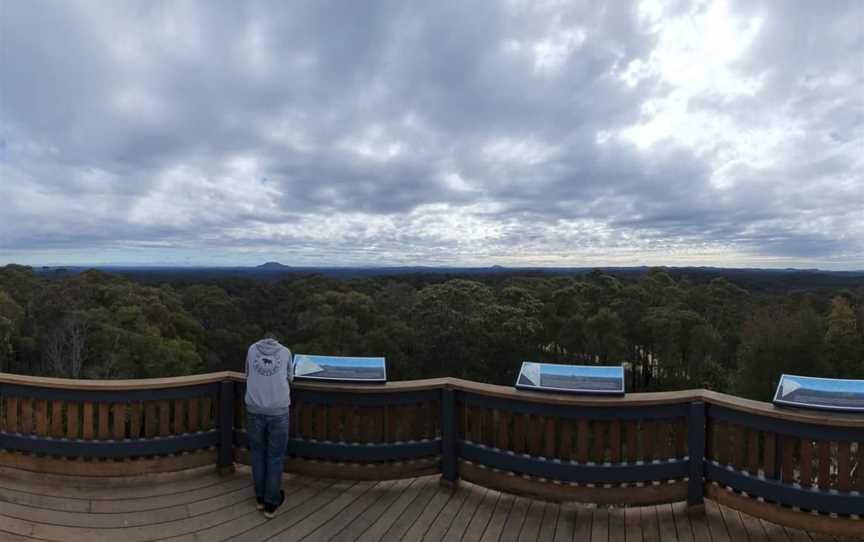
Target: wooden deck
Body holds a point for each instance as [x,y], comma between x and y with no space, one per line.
[205,507]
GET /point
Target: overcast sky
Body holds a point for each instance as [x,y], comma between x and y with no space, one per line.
[519,132]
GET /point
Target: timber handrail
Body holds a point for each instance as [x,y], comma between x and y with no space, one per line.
[798,467]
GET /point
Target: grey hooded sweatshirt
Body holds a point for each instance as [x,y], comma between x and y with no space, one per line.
[269,370]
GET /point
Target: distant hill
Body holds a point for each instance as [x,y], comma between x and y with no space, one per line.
[777,280]
[273,266]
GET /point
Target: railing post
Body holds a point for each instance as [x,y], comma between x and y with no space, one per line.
[226,427]
[449,473]
[696,449]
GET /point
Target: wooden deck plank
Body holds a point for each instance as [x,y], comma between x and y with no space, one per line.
[549,523]
[796,535]
[335,526]
[515,520]
[699,523]
[775,533]
[402,523]
[69,487]
[600,525]
[734,525]
[480,519]
[457,528]
[96,521]
[666,522]
[48,502]
[754,528]
[499,517]
[566,522]
[617,530]
[316,510]
[584,519]
[531,527]
[199,501]
[633,524]
[430,512]
[297,507]
[715,522]
[650,526]
[365,520]
[441,524]
[380,526]
[682,522]
[321,515]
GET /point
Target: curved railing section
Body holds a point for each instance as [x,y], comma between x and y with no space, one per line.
[801,468]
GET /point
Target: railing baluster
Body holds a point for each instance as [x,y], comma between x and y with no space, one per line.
[226,426]
[549,438]
[87,421]
[598,448]
[788,467]
[135,420]
[206,412]
[194,414]
[844,469]
[615,441]
[519,433]
[42,417]
[150,419]
[321,422]
[680,438]
[582,441]
[56,418]
[648,439]
[753,451]
[770,455]
[824,464]
[632,442]
[566,449]
[119,421]
[806,462]
[72,420]
[26,415]
[104,410]
[859,466]
[503,429]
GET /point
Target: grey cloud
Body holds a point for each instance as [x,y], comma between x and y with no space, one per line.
[271,127]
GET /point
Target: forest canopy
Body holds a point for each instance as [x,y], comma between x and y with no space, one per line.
[670,332]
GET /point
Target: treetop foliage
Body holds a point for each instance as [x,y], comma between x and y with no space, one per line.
[669,332]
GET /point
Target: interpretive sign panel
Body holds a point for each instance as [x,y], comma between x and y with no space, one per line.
[307,367]
[823,393]
[571,378]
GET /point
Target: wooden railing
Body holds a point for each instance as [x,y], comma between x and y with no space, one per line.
[801,468]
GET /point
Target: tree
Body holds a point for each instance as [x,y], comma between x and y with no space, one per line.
[844,348]
[11,316]
[777,341]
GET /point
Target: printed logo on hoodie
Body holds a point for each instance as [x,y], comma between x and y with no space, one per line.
[267,366]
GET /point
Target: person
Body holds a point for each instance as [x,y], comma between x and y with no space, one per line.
[269,373]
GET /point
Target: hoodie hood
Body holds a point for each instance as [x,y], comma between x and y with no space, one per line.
[268,347]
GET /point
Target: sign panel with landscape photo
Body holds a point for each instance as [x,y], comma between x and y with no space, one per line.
[590,379]
[822,393]
[336,368]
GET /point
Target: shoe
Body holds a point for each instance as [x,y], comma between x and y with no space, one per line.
[259,504]
[270,509]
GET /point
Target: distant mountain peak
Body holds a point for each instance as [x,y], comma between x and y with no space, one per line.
[272,265]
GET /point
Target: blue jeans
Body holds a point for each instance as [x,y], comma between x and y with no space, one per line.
[268,440]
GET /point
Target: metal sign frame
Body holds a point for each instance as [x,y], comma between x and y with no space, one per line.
[315,358]
[588,368]
[838,408]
